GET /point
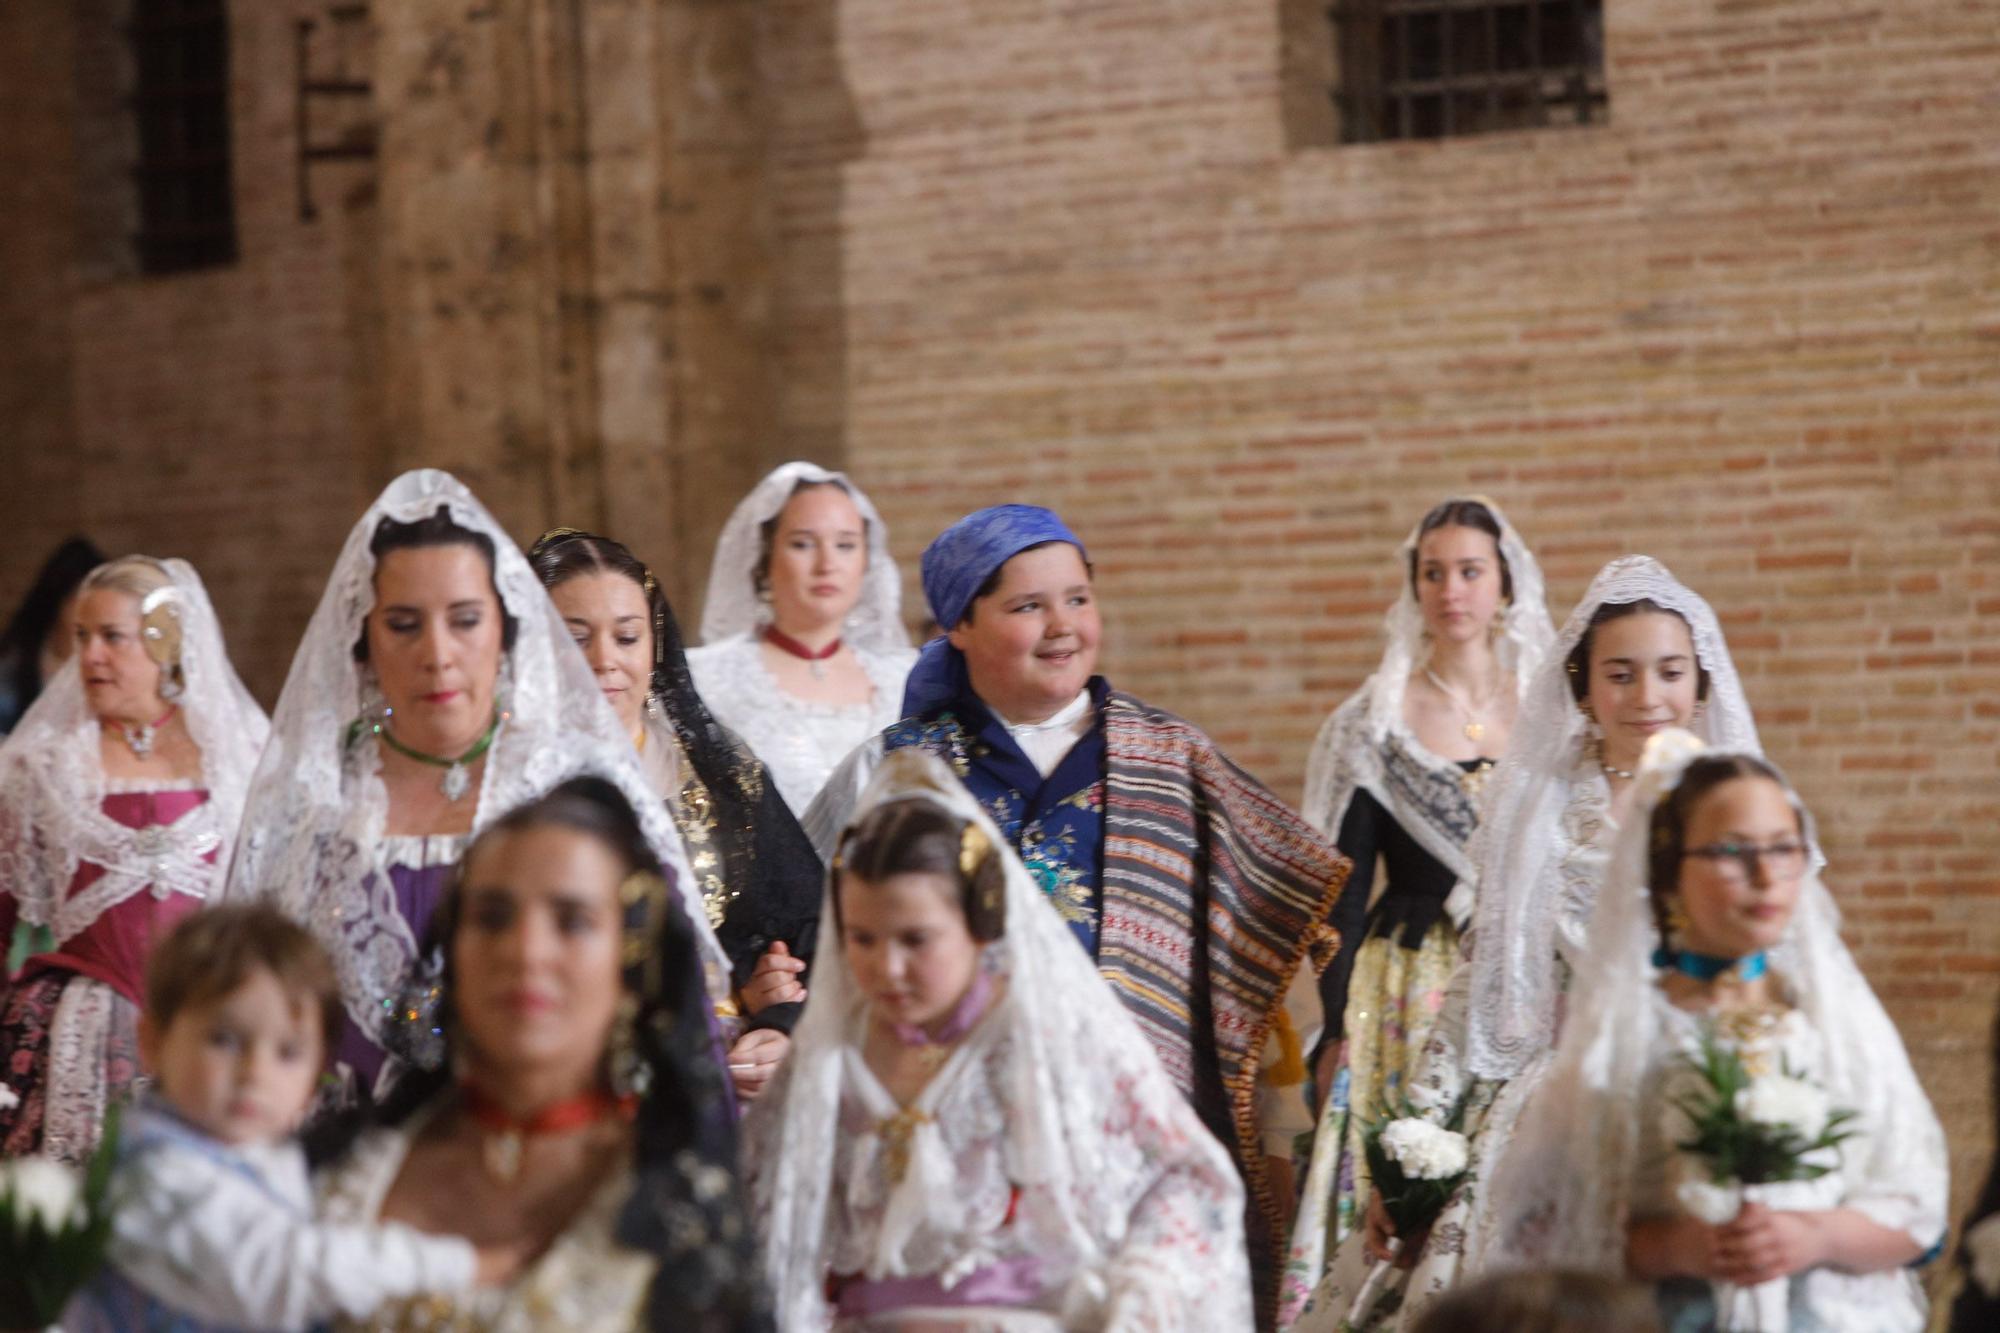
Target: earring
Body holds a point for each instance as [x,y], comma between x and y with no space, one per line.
[170,685]
[1676,921]
[654,713]
[627,1073]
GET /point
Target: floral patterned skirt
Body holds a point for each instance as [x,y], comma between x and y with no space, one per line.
[69,1047]
[1393,999]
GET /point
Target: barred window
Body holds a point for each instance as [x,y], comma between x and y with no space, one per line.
[1430,69]
[180,53]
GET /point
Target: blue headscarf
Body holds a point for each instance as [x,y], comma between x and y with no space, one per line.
[962,558]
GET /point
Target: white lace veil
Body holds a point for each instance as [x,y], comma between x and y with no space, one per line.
[1514,986]
[52,781]
[1347,756]
[733,607]
[1563,1190]
[1073,1046]
[312,836]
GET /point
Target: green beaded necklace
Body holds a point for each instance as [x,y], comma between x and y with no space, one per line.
[456,779]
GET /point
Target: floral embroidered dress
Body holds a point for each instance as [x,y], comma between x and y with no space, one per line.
[1380,793]
[1539,857]
[1049,1176]
[586,1282]
[93,871]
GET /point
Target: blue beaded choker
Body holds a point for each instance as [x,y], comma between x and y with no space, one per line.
[1707,967]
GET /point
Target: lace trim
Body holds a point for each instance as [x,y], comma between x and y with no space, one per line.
[422,851]
[151,786]
[77,1095]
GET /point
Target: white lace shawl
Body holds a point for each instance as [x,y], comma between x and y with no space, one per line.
[1515,982]
[1567,1188]
[52,785]
[1366,746]
[800,741]
[732,605]
[313,832]
[1078,1068]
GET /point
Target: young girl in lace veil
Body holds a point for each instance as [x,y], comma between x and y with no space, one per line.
[120,794]
[1715,926]
[980,1135]
[803,647]
[1471,606]
[325,832]
[1641,651]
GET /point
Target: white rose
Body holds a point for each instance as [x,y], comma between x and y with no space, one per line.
[40,1188]
[1425,1151]
[9,1099]
[1781,1101]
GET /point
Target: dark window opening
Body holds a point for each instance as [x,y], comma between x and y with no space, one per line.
[187,214]
[1430,69]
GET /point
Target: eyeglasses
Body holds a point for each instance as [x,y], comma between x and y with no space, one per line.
[1781,860]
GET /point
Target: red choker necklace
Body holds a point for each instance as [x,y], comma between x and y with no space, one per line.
[785,643]
[506,1133]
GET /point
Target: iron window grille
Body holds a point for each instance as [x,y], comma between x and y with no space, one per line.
[1432,69]
[187,215]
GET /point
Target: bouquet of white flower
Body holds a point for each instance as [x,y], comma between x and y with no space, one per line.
[54,1225]
[1753,1137]
[1415,1165]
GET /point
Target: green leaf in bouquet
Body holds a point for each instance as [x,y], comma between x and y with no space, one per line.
[1738,1149]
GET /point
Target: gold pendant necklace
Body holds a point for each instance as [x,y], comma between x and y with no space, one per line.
[1475,730]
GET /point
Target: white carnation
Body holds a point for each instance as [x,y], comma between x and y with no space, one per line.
[9,1099]
[40,1188]
[1791,1103]
[1706,1201]
[1425,1151]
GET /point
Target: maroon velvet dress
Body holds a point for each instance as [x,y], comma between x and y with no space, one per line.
[69,1018]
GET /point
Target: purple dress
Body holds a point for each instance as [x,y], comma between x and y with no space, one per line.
[420,868]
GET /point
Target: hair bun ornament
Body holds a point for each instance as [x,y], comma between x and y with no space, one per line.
[155,608]
[1665,760]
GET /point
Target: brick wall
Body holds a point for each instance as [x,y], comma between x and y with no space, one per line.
[1098,253]
[205,415]
[1093,254]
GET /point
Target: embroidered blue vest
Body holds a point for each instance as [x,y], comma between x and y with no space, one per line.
[1056,823]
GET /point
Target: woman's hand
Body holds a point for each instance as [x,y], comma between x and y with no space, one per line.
[1378,1230]
[1678,1246]
[1764,1244]
[754,1058]
[775,980]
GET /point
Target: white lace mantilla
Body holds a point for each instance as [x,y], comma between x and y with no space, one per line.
[1127,1199]
[313,834]
[733,607]
[52,785]
[1590,1151]
[799,741]
[1366,745]
[1523,889]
